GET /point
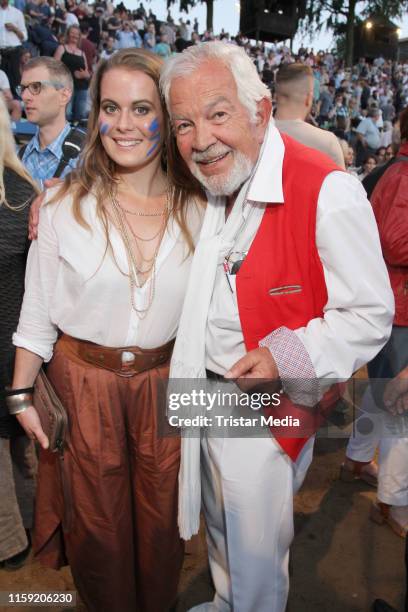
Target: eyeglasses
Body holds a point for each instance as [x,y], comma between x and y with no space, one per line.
[36,87]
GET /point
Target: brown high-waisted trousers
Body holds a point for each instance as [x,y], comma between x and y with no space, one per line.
[122,543]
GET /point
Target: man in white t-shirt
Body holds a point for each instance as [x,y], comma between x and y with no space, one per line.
[12,26]
[13,33]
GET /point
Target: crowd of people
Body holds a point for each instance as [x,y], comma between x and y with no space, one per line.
[360,105]
[133,275]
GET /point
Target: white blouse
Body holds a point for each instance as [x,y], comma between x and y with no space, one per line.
[74,285]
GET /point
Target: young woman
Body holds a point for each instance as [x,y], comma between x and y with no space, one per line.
[17,457]
[109,271]
[74,58]
[369,164]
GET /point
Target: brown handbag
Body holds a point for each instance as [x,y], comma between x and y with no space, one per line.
[52,413]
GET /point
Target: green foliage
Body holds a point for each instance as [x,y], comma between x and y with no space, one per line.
[340,17]
[331,14]
[186,5]
[340,45]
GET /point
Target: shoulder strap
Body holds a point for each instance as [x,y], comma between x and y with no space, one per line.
[21,152]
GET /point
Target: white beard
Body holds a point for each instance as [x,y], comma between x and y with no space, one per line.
[226,184]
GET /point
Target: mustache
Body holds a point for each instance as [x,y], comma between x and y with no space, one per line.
[210,153]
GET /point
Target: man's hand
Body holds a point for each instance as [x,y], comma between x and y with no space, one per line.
[257,365]
[35,209]
[30,421]
[13,28]
[396,394]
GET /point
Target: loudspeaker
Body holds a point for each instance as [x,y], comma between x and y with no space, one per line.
[270,20]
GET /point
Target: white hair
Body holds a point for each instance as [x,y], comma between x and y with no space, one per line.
[250,88]
[221,184]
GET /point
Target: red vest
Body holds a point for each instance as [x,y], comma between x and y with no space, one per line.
[284,253]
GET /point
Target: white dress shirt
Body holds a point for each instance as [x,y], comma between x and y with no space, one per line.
[11,15]
[73,284]
[358,314]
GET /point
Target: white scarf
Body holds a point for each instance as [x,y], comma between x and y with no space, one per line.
[188,359]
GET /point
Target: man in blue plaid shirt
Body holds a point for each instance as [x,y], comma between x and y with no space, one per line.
[46,89]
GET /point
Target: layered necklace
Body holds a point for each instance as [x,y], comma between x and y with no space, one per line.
[147,265]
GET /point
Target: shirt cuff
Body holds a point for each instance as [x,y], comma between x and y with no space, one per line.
[296,371]
[41,351]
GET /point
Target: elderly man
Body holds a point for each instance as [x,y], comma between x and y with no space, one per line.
[288,283]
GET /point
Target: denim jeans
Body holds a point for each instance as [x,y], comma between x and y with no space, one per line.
[77,108]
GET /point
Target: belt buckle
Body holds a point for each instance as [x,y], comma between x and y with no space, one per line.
[125,371]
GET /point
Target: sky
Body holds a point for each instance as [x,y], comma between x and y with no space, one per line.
[226,15]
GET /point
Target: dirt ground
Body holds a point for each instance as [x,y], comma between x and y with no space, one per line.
[341,561]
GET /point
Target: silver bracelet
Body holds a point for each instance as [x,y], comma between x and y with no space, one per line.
[19,403]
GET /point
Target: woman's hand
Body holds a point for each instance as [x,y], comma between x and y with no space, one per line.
[82,74]
[30,422]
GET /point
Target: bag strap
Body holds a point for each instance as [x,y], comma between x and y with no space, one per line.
[21,152]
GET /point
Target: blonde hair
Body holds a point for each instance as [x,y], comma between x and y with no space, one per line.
[96,171]
[8,155]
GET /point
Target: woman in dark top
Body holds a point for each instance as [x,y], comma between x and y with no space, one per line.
[75,60]
[16,450]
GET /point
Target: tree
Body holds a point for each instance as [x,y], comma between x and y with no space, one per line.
[340,16]
[185,5]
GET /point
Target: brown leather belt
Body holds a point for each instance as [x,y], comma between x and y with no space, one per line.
[125,361]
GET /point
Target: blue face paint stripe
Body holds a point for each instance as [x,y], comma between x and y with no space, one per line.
[104,128]
[154,126]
